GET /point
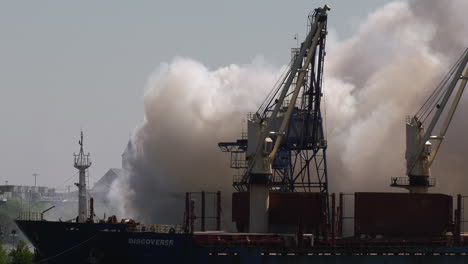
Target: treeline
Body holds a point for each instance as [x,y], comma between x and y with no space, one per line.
[18,255]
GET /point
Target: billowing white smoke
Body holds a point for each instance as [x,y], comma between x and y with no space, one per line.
[376,78]
[372,81]
[188,110]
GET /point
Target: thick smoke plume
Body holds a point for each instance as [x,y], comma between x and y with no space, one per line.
[188,110]
[372,81]
[379,76]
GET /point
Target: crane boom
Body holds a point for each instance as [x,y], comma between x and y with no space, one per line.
[261,163]
[267,129]
[420,153]
[292,103]
[449,117]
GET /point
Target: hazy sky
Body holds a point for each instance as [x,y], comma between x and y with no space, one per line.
[71,65]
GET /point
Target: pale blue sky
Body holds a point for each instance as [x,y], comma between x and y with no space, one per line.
[67,65]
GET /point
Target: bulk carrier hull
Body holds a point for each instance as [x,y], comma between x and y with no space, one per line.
[61,242]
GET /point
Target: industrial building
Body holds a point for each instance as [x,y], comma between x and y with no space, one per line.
[28,192]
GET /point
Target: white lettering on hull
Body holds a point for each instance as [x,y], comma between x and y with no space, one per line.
[151,242]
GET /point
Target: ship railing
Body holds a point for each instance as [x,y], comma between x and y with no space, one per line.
[31,216]
[158,228]
[405,182]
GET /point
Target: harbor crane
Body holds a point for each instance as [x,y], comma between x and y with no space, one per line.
[422,145]
[285,145]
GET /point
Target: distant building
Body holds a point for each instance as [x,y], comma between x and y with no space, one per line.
[101,188]
[27,192]
[126,155]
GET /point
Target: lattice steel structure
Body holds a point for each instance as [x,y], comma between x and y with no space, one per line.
[300,163]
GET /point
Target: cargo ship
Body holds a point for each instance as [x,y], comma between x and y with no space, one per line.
[281,206]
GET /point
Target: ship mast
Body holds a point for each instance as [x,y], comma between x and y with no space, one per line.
[82,163]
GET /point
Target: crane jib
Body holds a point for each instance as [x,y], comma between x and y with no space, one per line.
[457,76]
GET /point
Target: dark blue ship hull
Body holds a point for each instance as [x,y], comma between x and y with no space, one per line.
[60,242]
